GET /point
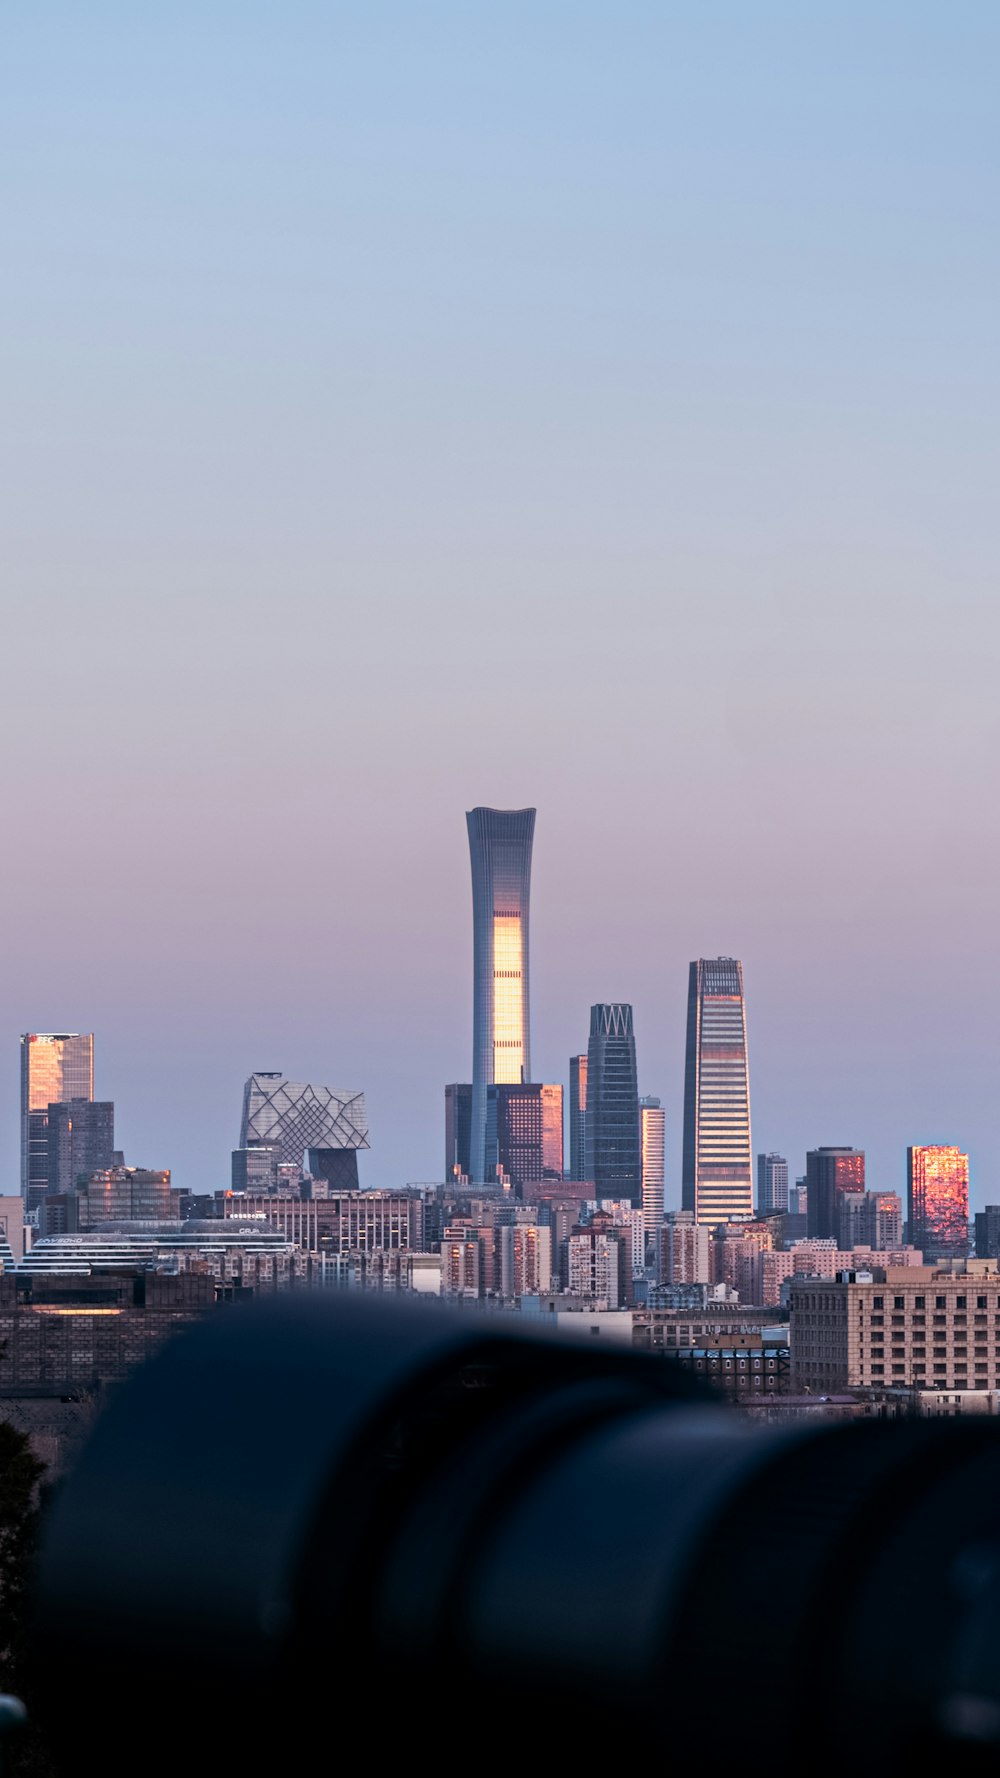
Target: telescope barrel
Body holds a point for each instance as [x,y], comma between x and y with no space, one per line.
[333,1521]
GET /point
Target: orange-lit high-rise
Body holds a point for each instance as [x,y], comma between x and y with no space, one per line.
[938,1201]
[55,1067]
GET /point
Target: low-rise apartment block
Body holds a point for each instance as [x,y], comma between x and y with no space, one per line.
[917,1327]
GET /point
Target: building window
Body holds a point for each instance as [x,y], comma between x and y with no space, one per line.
[878,1370]
[878,1302]
[920,1302]
[899,1302]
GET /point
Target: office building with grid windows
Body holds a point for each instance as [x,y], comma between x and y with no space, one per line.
[717,1172]
[524,1134]
[921,1328]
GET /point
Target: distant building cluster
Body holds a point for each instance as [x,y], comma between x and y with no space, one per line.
[790,1294]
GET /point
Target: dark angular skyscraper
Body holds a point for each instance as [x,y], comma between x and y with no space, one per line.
[717,1176]
[577,1117]
[614,1142]
[500,851]
[457,1119]
[830,1172]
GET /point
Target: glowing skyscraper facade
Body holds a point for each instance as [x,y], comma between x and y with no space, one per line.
[717,1176]
[938,1201]
[55,1067]
[500,843]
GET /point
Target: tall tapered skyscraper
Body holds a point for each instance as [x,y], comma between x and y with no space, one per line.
[717,1177]
[500,851]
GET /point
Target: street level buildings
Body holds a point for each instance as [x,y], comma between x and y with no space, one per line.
[937,1180]
[683,1250]
[614,1154]
[500,842]
[717,1177]
[925,1327]
[55,1066]
[342,1222]
[525,1259]
[598,1262]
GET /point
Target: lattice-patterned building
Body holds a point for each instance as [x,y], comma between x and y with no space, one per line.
[296,1118]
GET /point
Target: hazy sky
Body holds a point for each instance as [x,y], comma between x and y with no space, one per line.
[591,406]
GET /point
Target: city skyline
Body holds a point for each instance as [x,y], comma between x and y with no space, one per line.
[979,1193]
[614,410]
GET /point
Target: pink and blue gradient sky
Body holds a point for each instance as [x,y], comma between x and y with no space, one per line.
[592,406]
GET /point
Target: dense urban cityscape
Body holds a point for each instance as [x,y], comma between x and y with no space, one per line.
[806,1296]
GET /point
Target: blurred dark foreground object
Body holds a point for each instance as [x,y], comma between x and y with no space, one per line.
[335,1528]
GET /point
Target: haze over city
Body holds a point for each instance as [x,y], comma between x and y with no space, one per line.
[580,408]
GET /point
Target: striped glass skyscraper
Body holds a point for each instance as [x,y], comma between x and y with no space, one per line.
[652,1130]
[717,1177]
[500,851]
